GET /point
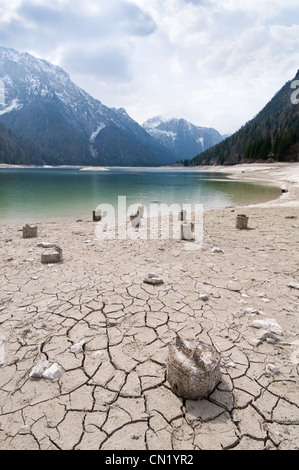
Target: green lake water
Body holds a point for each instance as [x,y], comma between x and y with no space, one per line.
[52,194]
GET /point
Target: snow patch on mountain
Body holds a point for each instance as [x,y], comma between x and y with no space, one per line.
[13,106]
[2,93]
[94,134]
[200,141]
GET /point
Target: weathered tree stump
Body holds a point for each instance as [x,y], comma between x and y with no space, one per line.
[29,231]
[96,216]
[52,256]
[193,368]
[136,218]
[242,222]
[187,231]
[182,217]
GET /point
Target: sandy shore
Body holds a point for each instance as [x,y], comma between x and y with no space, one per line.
[109,332]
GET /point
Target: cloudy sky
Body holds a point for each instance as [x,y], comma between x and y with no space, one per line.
[215,63]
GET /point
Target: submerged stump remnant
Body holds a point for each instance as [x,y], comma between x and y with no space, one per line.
[29,231]
[182,217]
[136,218]
[187,231]
[242,221]
[53,255]
[97,216]
[193,368]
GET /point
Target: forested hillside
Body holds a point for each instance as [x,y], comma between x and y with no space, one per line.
[16,151]
[272,135]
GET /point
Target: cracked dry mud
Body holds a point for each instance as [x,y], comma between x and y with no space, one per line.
[113,392]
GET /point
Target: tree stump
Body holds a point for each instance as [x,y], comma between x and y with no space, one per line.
[187,231]
[136,218]
[182,217]
[96,216]
[29,231]
[242,222]
[193,368]
[52,256]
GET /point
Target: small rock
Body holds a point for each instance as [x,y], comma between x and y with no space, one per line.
[204,297]
[38,370]
[215,249]
[46,245]
[253,311]
[168,289]
[293,285]
[78,347]
[272,369]
[153,280]
[268,324]
[240,313]
[229,365]
[152,275]
[22,342]
[268,337]
[53,373]
[24,430]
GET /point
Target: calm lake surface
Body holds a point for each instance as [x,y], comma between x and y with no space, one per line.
[53,194]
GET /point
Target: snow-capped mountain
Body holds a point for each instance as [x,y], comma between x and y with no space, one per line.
[40,103]
[181,137]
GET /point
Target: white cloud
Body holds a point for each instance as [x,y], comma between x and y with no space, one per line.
[215,63]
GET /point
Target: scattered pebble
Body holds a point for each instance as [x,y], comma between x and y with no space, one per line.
[53,373]
[78,347]
[293,285]
[153,279]
[215,249]
[204,297]
[272,369]
[38,370]
[268,324]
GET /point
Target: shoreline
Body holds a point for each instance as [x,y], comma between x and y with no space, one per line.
[283,175]
[280,175]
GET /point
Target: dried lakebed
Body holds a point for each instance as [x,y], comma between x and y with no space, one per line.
[108,333]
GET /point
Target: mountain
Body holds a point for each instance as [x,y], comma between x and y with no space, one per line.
[65,125]
[182,137]
[272,134]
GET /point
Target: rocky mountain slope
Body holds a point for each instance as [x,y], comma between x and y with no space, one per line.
[40,104]
[273,134]
[182,137]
